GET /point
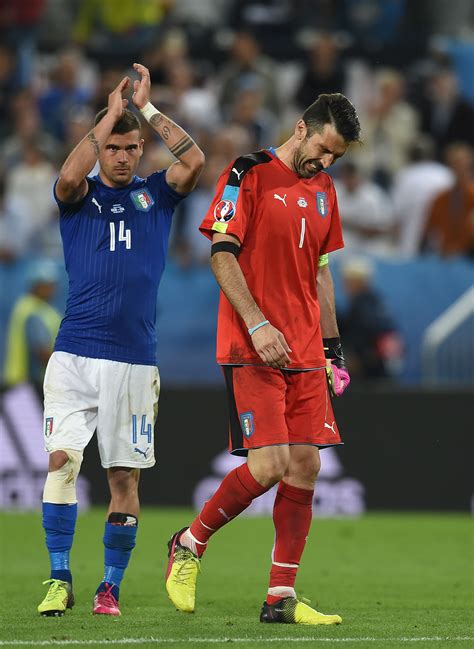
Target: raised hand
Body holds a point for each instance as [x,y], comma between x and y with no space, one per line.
[271,346]
[141,87]
[116,103]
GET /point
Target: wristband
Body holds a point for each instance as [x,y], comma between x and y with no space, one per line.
[252,330]
[148,111]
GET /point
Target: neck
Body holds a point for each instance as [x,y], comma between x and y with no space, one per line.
[286,152]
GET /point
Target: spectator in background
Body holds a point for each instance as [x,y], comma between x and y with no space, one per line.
[413,189]
[116,31]
[390,128]
[19,21]
[29,201]
[161,57]
[248,65]
[372,345]
[450,224]
[194,106]
[249,112]
[32,329]
[8,85]
[366,213]
[27,128]
[64,95]
[323,71]
[445,115]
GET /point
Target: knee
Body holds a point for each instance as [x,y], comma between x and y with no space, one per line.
[60,485]
[270,471]
[308,469]
[57,459]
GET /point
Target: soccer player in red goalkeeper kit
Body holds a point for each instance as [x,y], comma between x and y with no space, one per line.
[272,223]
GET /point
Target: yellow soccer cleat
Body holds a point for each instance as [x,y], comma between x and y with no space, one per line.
[58,598]
[181,575]
[291,611]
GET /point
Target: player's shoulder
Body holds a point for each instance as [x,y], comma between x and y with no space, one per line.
[323,182]
[241,166]
[325,179]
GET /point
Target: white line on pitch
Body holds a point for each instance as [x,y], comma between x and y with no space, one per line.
[151,640]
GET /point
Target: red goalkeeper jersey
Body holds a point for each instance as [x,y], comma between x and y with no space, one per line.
[284,224]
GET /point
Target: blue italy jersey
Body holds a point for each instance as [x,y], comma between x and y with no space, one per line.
[115,243]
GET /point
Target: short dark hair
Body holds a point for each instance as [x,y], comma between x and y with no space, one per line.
[128,122]
[333,109]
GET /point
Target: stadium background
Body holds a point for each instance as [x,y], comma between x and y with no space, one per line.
[236,75]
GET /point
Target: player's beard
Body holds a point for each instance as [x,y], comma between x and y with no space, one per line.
[305,166]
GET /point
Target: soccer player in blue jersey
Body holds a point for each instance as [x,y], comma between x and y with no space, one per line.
[103,374]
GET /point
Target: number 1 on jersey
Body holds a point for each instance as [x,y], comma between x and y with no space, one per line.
[124,235]
[303,230]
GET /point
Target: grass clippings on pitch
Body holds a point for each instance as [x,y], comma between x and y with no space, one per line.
[397,580]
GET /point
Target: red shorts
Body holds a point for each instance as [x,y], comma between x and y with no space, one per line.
[269,407]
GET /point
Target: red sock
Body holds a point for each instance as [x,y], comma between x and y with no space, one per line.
[234,494]
[292,514]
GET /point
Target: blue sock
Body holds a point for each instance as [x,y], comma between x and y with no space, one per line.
[119,541]
[59,523]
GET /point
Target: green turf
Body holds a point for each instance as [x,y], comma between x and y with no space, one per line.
[389,576]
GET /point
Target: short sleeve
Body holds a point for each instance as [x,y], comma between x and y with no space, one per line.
[162,192]
[68,209]
[333,240]
[232,207]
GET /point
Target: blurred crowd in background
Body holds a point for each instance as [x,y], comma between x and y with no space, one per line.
[237,74]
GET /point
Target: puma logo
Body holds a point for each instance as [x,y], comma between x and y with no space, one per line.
[221,511]
[237,173]
[279,198]
[137,450]
[330,426]
[99,207]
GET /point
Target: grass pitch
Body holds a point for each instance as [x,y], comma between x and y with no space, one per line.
[397,580]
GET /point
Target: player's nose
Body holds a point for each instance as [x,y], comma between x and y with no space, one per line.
[327,160]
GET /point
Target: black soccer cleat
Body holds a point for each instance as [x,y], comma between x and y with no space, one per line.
[289,610]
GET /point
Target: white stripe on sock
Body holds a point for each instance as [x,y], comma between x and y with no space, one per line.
[195,539]
[286,565]
[282,591]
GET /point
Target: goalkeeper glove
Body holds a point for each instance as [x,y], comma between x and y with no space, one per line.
[336,370]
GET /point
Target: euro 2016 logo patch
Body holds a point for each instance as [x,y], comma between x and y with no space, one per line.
[142,200]
[246,423]
[322,203]
[224,211]
[48,426]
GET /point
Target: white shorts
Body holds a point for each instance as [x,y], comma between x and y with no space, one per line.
[118,399]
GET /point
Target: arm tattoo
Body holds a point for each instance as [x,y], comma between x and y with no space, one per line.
[156,119]
[183,145]
[166,132]
[95,145]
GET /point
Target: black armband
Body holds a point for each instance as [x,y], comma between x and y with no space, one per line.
[333,350]
[225,246]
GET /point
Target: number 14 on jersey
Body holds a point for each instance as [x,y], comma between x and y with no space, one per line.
[123,235]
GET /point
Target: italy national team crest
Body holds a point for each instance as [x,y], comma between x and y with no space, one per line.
[142,200]
[224,211]
[322,203]
[246,422]
[48,426]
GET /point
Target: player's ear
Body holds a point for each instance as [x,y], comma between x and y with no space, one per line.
[140,146]
[300,130]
